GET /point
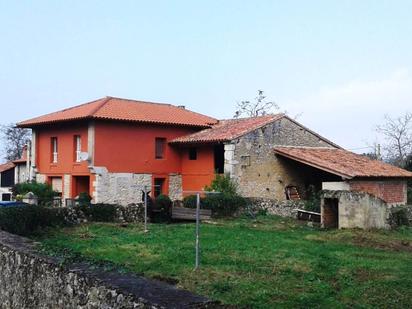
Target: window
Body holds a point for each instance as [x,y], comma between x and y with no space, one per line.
[77,147]
[192,153]
[54,149]
[158,186]
[5,197]
[160,145]
[7,178]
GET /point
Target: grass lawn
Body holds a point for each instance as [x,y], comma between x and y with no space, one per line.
[263,263]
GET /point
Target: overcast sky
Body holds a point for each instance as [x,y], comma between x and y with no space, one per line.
[341,65]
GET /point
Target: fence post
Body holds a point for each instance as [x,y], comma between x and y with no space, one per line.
[145,209]
[197,230]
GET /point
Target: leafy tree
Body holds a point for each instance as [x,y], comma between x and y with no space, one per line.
[258,107]
[14,140]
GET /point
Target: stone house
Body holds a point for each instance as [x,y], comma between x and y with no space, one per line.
[112,148]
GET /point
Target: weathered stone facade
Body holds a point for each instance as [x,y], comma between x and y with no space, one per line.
[31,280]
[175,187]
[119,188]
[273,207]
[251,162]
[67,186]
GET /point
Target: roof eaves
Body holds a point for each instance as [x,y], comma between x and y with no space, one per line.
[287,155]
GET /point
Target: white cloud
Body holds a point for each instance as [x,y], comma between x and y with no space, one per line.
[348,113]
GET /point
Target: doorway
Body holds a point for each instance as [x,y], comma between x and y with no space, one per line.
[330,213]
[81,184]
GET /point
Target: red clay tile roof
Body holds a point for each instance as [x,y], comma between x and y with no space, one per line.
[6,166]
[125,110]
[227,130]
[341,162]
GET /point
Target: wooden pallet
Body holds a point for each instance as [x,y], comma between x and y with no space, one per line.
[181,213]
[292,193]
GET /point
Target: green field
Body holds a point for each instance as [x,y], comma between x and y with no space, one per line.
[263,263]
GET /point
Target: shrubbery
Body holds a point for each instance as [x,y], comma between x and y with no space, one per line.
[98,212]
[28,219]
[221,205]
[398,217]
[43,191]
[224,203]
[223,184]
[312,202]
[161,209]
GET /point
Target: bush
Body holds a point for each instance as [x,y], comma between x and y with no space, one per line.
[28,219]
[161,209]
[312,202]
[222,205]
[99,212]
[223,184]
[43,191]
[84,199]
[398,217]
[410,193]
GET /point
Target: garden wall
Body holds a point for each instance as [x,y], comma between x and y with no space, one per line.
[274,207]
[31,280]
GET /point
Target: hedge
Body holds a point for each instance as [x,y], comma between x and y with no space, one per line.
[28,219]
[222,205]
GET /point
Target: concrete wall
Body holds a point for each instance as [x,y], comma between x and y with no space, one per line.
[357,210]
[31,280]
[251,162]
[175,187]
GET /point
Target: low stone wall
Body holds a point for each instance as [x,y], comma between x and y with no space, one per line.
[274,207]
[31,280]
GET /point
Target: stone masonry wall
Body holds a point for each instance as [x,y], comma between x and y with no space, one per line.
[119,188]
[273,207]
[31,280]
[251,162]
[175,187]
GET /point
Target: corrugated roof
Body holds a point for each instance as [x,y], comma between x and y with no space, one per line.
[341,162]
[125,110]
[226,130]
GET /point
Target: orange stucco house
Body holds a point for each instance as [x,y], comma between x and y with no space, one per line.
[112,148]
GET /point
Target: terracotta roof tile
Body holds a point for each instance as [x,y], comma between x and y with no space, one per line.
[341,162]
[6,166]
[125,110]
[226,130]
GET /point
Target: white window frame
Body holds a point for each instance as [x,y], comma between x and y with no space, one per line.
[78,148]
[55,150]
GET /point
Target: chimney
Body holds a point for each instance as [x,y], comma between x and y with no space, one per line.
[182,106]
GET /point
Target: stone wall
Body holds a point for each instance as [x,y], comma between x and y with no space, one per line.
[273,207]
[175,187]
[251,162]
[31,280]
[119,188]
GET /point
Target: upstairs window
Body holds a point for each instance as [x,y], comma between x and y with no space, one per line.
[54,149]
[77,148]
[193,153]
[160,145]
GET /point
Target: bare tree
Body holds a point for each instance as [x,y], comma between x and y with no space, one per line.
[398,135]
[14,140]
[258,107]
